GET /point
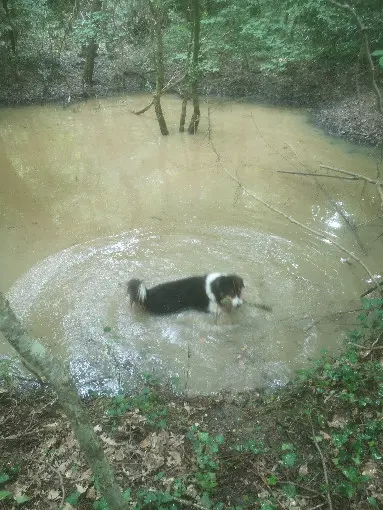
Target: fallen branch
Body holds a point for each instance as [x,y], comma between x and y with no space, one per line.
[377,182]
[359,176]
[33,432]
[188,503]
[328,495]
[317,506]
[348,220]
[368,348]
[371,289]
[319,175]
[139,112]
[59,475]
[292,220]
[169,85]
[267,308]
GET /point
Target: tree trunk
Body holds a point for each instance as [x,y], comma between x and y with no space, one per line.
[10,33]
[44,363]
[91,50]
[183,112]
[157,15]
[196,17]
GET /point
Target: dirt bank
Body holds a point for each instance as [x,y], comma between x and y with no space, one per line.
[316,443]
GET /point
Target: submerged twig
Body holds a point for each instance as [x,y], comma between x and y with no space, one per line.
[349,222]
[296,155]
[258,305]
[377,182]
[371,289]
[359,176]
[313,174]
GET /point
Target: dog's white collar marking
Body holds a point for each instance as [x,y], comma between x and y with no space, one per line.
[213,305]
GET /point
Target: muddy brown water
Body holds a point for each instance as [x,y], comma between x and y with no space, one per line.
[91,195]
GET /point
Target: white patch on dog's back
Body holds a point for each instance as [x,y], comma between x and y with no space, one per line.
[141,293]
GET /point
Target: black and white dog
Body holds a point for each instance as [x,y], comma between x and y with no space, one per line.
[213,293]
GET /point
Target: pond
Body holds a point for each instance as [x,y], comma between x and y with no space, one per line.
[92,195]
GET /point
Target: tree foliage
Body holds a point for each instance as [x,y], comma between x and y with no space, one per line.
[251,34]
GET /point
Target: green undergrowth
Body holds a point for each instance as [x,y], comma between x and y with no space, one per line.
[315,444]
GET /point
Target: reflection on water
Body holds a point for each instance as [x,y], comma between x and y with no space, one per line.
[93,196]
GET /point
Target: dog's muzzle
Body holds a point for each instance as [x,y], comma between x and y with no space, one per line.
[236,302]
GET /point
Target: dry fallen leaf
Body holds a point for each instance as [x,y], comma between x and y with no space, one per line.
[108,440]
[174,458]
[92,494]
[145,442]
[338,422]
[303,470]
[370,469]
[53,494]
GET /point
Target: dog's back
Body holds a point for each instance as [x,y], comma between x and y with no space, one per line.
[178,295]
[209,293]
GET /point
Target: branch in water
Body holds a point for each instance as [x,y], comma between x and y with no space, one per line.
[292,220]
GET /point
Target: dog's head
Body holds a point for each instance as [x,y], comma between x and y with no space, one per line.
[227,290]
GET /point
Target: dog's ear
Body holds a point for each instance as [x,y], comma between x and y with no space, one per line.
[238,281]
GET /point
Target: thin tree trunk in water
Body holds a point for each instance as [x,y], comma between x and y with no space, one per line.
[183,113]
[194,121]
[159,63]
[43,362]
[91,51]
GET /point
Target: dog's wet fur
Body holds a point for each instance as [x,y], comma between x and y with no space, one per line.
[214,293]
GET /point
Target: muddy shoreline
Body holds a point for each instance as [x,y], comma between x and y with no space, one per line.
[340,104]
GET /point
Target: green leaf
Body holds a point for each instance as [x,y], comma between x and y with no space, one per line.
[380,62]
[220,439]
[272,480]
[3,478]
[73,498]
[287,446]
[351,473]
[107,329]
[126,495]
[5,495]
[372,501]
[268,506]
[290,459]
[290,490]
[100,505]
[205,500]
[377,53]
[203,437]
[22,499]
[346,489]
